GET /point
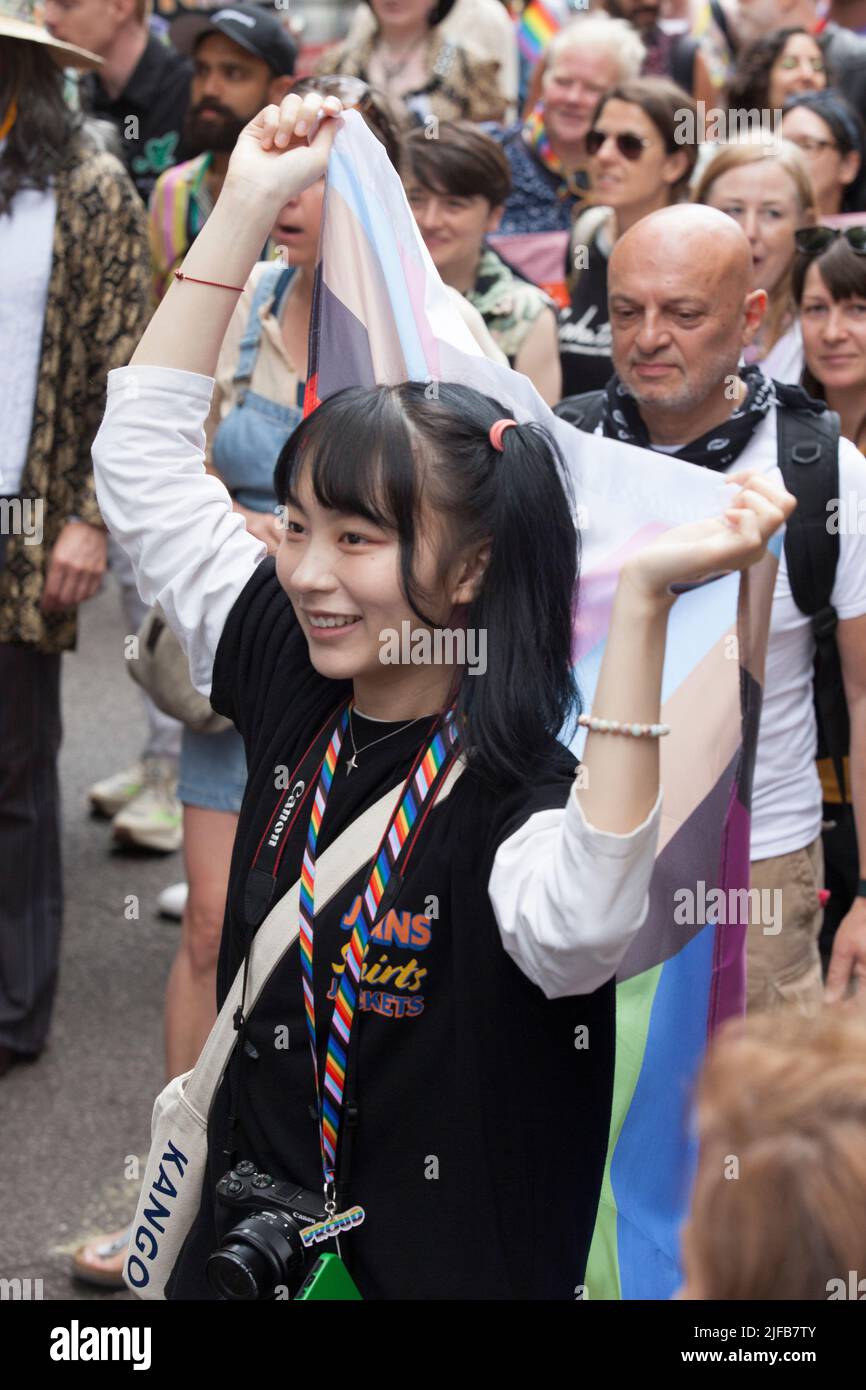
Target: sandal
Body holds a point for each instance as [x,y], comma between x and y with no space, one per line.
[96,1262]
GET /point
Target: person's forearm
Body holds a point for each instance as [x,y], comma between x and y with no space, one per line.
[621,774]
[188,328]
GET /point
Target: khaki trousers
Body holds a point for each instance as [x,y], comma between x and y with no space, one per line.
[783,963]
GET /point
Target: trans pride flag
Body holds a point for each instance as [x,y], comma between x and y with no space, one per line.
[382,315]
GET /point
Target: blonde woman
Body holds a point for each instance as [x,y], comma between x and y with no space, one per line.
[765,186]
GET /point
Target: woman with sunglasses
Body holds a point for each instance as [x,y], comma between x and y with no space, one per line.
[765,187]
[636,166]
[832,137]
[829,284]
[777,66]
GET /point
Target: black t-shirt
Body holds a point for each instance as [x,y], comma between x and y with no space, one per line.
[482,1128]
[149,112]
[584,329]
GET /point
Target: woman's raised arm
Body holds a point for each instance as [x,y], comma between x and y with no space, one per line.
[189,550]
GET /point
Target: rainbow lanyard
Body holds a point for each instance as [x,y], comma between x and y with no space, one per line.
[536,137]
[421,786]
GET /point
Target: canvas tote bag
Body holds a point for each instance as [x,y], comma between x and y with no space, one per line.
[176,1165]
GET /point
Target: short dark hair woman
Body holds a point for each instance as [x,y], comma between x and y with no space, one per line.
[828,283]
[457,186]
[832,137]
[637,165]
[74,280]
[829,286]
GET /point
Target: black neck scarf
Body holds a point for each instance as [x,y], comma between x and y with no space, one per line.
[720,446]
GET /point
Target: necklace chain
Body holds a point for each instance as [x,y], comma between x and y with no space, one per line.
[394,66]
[352,763]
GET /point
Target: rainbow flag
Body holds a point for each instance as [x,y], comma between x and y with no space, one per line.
[535,28]
[381,314]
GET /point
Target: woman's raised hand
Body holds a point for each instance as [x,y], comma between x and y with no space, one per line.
[702,549]
[273,152]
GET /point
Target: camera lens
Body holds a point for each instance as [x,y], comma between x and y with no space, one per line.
[262,1251]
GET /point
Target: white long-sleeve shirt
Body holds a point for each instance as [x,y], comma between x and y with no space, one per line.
[568,899]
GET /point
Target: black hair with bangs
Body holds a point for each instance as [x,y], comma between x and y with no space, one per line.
[844,274]
[386,451]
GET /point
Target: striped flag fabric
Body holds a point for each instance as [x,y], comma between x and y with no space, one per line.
[382,315]
[535,28]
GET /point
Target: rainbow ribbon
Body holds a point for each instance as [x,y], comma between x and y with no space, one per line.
[419,786]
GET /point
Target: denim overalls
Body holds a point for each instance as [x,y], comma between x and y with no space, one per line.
[248,441]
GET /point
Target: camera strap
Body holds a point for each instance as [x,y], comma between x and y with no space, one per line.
[426,777]
[262,876]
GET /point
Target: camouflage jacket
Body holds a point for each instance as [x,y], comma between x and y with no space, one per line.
[508,305]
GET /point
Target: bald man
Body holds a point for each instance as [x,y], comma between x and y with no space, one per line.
[681,312]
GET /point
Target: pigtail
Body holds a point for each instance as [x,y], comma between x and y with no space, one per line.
[525,605]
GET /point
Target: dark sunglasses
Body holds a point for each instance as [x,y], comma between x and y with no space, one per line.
[813,241]
[630,146]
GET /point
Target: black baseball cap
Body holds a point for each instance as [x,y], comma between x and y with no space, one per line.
[257,30]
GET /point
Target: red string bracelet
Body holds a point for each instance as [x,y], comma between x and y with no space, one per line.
[180,275]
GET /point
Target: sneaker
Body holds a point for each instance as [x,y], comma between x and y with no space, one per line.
[113,793]
[154,818]
[172,901]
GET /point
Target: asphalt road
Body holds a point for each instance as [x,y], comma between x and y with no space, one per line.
[73,1123]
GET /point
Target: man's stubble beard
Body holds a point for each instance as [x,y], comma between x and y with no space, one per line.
[692,394]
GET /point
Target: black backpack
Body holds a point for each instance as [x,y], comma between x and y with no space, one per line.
[808,457]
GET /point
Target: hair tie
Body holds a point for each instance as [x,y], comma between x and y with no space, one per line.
[497,431]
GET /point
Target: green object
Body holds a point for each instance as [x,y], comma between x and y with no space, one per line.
[634,1001]
[329,1279]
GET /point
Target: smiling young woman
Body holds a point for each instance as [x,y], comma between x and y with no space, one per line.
[402,507]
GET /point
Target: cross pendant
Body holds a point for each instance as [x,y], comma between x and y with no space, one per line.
[351,764]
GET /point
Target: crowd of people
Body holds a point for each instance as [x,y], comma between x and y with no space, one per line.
[660,219]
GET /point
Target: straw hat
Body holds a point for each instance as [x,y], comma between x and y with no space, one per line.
[22,19]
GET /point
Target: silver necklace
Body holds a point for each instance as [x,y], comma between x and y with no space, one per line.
[352,763]
[393,67]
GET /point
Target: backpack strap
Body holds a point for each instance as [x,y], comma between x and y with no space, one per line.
[585,411]
[722,21]
[683,53]
[273,283]
[808,457]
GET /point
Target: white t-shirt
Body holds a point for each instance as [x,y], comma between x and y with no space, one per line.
[786,803]
[26,244]
[784,361]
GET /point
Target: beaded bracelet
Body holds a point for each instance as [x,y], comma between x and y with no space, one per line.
[613,726]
